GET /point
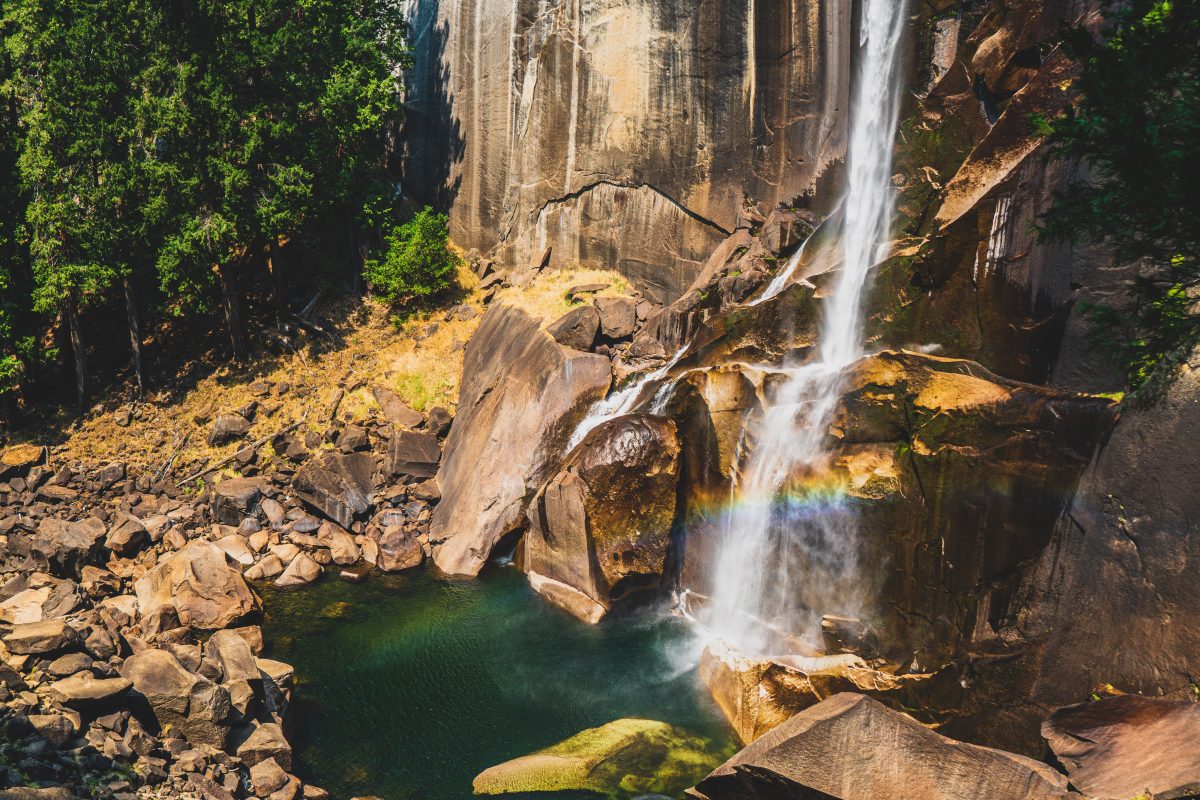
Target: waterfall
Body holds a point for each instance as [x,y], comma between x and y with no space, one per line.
[788,550]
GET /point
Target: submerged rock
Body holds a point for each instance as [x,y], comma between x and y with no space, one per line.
[851,747]
[628,756]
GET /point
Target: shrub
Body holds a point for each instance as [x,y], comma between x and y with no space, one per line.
[416,261]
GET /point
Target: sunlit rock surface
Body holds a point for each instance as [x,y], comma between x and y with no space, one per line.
[521,396]
[623,134]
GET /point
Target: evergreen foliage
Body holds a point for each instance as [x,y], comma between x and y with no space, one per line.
[157,153]
[1135,127]
[415,262]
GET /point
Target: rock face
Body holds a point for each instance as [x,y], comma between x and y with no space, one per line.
[850,747]
[602,525]
[628,756]
[567,131]
[1130,746]
[521,396]
[198,583]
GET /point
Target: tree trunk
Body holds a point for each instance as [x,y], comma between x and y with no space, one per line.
[135,334]
[233,312]
[356,257]
[275,267]
[71,315]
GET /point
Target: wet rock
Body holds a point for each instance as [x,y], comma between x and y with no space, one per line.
[227,428]
[602,525]
[853,748]
[301,570]
[1130,746]
[618,316]
[339,486]
[234,499]
[625,757]
[395,410]
[198,583]
[399,550]
[413,455]
[521,397]
[577,328]
[188,704]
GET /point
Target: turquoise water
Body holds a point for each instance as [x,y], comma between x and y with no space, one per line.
[408,687]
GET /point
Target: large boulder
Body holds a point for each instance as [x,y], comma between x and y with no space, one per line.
[1130,746]
[83,690]
[187,704]
[19,459]
[851,747]
[577,328]
[628,756]
[234,499]
[522,395]
[413,455]
[127,535]
[42,597]
[602,525]
[41,638]
[198,582]
[63,548]
[339,486]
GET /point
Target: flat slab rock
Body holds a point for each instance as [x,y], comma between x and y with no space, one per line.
[851,747]
[1124,747]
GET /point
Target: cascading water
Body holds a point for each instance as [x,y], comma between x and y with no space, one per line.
[789,548]
[618,404]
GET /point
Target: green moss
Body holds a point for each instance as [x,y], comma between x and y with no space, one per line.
[621,759]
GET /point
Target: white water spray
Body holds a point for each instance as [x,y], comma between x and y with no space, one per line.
[788,553]
[618,404]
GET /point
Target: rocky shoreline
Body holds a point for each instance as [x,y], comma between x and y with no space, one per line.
[130,628]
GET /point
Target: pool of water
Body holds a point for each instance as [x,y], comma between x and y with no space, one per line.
[409,686]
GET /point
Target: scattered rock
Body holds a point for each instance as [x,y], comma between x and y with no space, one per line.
[40,638]
[618,316]
[340,486]
[234,499]
[266,742]
[413,455]
[227,428]
[83,690]
[188,704]
[302,569]
[127,536]
[19,459]
[395,410]
[399,550]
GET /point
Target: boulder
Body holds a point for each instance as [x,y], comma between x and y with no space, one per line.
[45,597]
[618,316]
[577,328]
[40,638]
[623,758]
[413,455]
[851,747]
[399,550]
[199,584]
[19,459]
[63,548]
[1130,746]
[602,525]
[269,567]
[395,410]
[340,543]
[84,690]
[127,535]
[237,548]
[522,396]
[227,428]
[266,741]
[189,705]
[229,650]
[54,728]
[301,570]
[339,486]
[234,499]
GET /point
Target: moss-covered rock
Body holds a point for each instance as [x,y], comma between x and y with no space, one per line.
[624,758]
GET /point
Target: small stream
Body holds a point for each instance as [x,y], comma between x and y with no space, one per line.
[409,686]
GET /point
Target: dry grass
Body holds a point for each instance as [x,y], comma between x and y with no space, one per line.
[419,357]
